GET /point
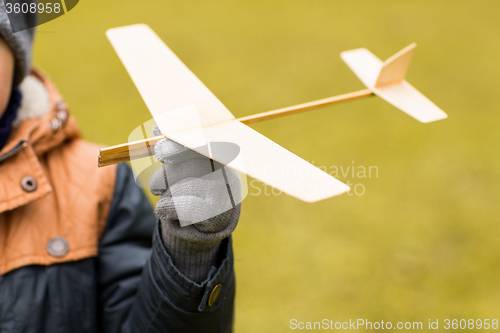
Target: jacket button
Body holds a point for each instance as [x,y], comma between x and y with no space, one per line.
[214,294]
[58,247]
[28,184]
[55,125]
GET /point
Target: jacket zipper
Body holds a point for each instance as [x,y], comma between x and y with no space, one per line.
[17,148]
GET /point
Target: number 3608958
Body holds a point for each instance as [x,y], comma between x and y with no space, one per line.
[33,8]
[470,324]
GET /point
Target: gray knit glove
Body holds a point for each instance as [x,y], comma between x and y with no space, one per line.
[198,207]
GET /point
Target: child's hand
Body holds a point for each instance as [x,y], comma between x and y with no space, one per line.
[197,208]
[190,190]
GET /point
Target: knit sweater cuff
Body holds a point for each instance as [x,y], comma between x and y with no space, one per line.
[194,252]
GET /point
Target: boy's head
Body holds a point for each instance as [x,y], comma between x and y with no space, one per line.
[15,52]
[6,74]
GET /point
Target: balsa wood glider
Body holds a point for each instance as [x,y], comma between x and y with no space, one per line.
[183,107]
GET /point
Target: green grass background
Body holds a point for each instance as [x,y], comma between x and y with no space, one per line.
[423,241]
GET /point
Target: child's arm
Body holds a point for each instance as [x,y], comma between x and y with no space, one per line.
[197,208]
[187,280]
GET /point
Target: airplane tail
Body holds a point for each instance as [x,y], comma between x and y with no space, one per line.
[394,69]
[386,80]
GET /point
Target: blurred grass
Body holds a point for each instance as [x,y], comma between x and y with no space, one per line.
[423,241]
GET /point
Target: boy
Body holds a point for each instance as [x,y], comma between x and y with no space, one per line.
[76,253]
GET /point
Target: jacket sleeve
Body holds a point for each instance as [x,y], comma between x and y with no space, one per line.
[140,290]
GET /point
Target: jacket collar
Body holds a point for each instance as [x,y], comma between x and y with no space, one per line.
[44,122]
[41,128]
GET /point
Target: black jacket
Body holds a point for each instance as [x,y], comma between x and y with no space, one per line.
[131,286]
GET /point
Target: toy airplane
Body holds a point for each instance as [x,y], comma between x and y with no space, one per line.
[183,107]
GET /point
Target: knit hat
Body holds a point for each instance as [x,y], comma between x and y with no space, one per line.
[20,42]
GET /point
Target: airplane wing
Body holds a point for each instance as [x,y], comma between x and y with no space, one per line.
[371,70]
[188,113]
[168,87]
[265,160]
[364,64]
[409,100]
